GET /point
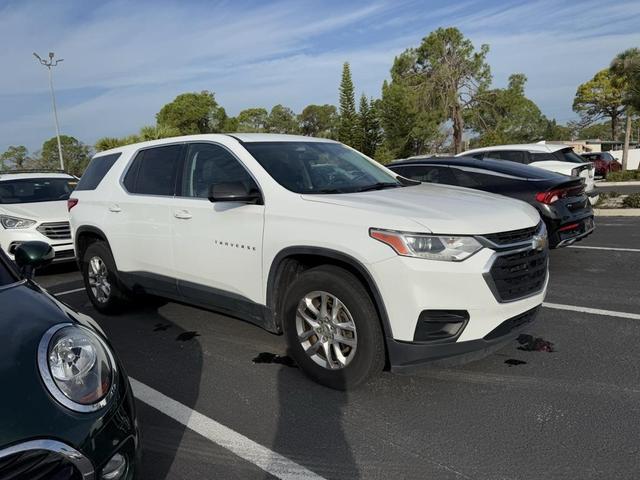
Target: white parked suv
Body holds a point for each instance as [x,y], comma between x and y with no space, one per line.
[33,206]
[554,157]
[359,268]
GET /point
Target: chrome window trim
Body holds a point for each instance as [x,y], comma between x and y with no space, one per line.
[12,285]
[82,463]
[52,387]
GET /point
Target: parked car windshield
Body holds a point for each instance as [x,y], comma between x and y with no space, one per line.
[6,275]
[316,167]
[32,190]
[568,155]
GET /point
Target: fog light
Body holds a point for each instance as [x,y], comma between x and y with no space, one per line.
[115,468]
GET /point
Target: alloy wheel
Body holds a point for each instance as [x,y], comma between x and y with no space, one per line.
[326,330]
[98,280]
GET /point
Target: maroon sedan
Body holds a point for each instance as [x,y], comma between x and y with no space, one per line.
[603,162]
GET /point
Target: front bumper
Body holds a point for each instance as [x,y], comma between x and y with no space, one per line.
[409,286]
[10,239]
[406,357]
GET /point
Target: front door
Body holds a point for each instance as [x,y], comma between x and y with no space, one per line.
[217,246]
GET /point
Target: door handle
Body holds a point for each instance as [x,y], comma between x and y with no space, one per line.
[115,208]
[182,214]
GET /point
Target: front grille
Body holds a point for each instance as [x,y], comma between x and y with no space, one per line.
[37,465]
[513,236]
[511,324]
[56,230]
[517,275]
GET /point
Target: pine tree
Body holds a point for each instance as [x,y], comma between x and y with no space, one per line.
[348,115]
[368,131]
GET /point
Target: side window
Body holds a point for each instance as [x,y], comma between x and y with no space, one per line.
[466,179]
[478,156]
[513,156]
[154,171]
[96,171]
[542,156]
[428,173]
[208,164]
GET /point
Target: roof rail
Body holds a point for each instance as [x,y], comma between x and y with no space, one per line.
[33,170]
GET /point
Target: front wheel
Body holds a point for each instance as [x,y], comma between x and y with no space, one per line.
[332,328]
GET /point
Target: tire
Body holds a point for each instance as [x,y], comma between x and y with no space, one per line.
[363,354]
[113,297]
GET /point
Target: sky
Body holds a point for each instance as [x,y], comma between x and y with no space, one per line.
[124,60]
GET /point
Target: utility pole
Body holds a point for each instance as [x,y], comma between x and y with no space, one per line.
[49,64]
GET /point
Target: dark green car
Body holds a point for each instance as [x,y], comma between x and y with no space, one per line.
[66,406]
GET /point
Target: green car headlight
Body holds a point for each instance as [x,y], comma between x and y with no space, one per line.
[77,367]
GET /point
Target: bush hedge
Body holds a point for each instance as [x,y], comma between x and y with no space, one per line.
[625,176]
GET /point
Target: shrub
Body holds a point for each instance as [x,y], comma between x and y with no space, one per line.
[632,201]
[625,176]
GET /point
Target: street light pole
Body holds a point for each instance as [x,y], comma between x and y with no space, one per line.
[49,64]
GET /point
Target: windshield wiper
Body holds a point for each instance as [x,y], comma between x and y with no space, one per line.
[378,186]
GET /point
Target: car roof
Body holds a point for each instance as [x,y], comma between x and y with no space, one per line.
[35,174]
[241,137]
[529,147]
[500,166]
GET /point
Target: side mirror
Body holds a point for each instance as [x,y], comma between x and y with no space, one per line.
[233,192]
[29,256]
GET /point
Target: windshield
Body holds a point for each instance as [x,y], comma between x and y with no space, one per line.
[568,155]
[314,167]
[32,190]
[6,275]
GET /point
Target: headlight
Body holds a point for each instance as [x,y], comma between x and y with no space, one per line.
[77,367]
[16,222]
[448,248]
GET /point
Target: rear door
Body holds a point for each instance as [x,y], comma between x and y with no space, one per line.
[140,218]
[217,246]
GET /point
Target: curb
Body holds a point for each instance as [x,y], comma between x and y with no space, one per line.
[616,212]
[633,183]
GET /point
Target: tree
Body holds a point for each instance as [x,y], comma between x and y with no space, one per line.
[15,157]
[447,73]
[626,68]
[319,121]
[348,116]
[368,130]
[282,120]
[75,153]
[600,97]
[192,113]
[252,120]
[156,132]
[506,115]
[410,128]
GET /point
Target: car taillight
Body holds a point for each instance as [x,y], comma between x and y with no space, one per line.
[72,202]
[555,194]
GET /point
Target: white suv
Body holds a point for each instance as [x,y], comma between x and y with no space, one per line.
[553,157]
[359,268]
[33,206]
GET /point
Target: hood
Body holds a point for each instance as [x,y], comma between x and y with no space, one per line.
[439,208]
[26,408]
[39,211]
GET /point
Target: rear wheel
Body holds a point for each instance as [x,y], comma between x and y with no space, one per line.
[332,328]
[106,292]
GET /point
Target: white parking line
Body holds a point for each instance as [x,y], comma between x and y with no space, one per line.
[57,294]
[615,249]
[594,311]
[245,448]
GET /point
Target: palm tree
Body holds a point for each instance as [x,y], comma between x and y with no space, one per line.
[626,67]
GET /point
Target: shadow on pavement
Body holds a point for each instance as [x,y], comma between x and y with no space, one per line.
[165,357]
[310,426]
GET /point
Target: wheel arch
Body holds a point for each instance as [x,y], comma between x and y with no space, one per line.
[291,261]
[85,236]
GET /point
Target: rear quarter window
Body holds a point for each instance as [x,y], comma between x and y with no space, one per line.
[96,171]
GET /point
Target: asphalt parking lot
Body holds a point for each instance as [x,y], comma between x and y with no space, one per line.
[570,413]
